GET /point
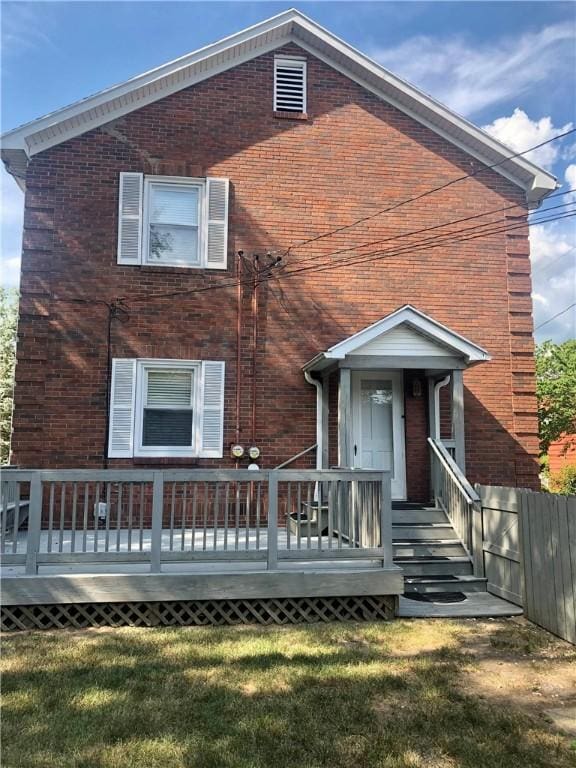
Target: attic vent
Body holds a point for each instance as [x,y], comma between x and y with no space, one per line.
[289,85]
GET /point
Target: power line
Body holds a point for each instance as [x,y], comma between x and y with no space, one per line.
[429,192]
[415,246]
[322,267]
[545,267]
[429,229]
[541,325]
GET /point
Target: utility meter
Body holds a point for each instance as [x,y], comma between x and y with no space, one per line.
[237,451]
[254,452]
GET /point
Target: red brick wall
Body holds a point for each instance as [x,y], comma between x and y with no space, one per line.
[290,180]
[562,453]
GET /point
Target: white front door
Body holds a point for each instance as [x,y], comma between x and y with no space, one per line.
[378,424]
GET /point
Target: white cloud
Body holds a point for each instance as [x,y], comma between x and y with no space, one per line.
[468,78]
[570,176]
[12,202]
[519,132]
[553,251]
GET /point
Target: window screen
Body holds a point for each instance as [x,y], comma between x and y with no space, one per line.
[173,217]
[168,415]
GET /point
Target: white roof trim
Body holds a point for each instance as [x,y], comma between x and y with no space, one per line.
[407,315]
[110,104]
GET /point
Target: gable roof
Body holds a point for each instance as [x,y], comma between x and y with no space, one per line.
[446,341]
[290,26]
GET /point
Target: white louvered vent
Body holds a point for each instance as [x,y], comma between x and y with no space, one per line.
[130,218]
[217,225]
[122,395]
[289,85]
[213,408]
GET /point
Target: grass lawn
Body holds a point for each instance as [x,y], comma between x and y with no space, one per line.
[404,694]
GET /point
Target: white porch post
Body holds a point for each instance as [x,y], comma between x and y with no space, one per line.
[325,415]
[458,419]
[345,419]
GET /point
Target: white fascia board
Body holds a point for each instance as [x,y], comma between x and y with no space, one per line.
[291,25]
[18,137]
[424,100]
[420,322]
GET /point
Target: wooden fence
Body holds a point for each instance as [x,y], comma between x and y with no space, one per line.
[529,554]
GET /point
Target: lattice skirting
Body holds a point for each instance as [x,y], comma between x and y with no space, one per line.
[298,610]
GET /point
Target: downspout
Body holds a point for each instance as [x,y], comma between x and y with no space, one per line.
[254,348]
[319,446]
[437,387]
[238,345]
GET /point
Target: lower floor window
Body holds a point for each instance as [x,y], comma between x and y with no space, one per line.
[166,408]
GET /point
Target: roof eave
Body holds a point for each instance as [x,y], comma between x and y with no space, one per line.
[53,129]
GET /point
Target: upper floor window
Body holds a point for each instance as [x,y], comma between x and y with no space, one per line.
[173,221]
[289,84]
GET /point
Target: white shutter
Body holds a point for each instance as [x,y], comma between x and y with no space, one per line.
[217,223]
[122,396]
[212,398]
[130,218]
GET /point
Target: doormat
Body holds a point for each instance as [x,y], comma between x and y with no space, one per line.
[436,597]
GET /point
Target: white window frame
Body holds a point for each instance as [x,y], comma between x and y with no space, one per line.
[142,366]
[278,60]
[183,181]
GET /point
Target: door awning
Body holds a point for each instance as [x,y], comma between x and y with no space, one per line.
[407,338]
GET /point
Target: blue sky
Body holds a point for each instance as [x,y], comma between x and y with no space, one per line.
[507,66]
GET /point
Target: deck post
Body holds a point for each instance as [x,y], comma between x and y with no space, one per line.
[157,509]
[272,521]
[478,535]
[458,419]
[34,525]
[386,520]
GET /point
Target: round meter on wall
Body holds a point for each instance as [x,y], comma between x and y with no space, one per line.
[254,452]
[237,451]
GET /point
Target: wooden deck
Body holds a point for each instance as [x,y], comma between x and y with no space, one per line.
[128,536]
[476,605]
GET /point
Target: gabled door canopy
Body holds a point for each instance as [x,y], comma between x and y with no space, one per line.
[438,344]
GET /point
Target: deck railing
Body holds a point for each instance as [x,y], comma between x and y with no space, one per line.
[160,517]
[454,494]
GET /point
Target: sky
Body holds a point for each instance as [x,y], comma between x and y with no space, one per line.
[509,67]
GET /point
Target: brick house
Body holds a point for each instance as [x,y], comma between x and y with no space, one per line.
[243,248]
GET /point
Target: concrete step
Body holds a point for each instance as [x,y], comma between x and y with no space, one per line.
[450,583]
[427,548]
[417,516]
[423,531]
[430,566]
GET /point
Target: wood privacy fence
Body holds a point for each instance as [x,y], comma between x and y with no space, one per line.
[529,554]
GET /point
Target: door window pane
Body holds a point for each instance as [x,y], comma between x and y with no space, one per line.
[376,424]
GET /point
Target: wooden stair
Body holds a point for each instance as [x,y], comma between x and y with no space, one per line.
[427,547]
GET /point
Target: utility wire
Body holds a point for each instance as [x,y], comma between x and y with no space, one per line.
[429,192]
[544,267]
[429,229]
[267,272]
[562,312]
[411,247]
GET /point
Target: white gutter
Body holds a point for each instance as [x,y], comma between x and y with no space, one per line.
[319,446]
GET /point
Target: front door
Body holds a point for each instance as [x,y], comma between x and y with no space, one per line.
[378,424]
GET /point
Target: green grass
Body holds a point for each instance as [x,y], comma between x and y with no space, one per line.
[343,696]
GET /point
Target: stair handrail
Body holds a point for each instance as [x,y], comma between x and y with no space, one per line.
[454,470]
